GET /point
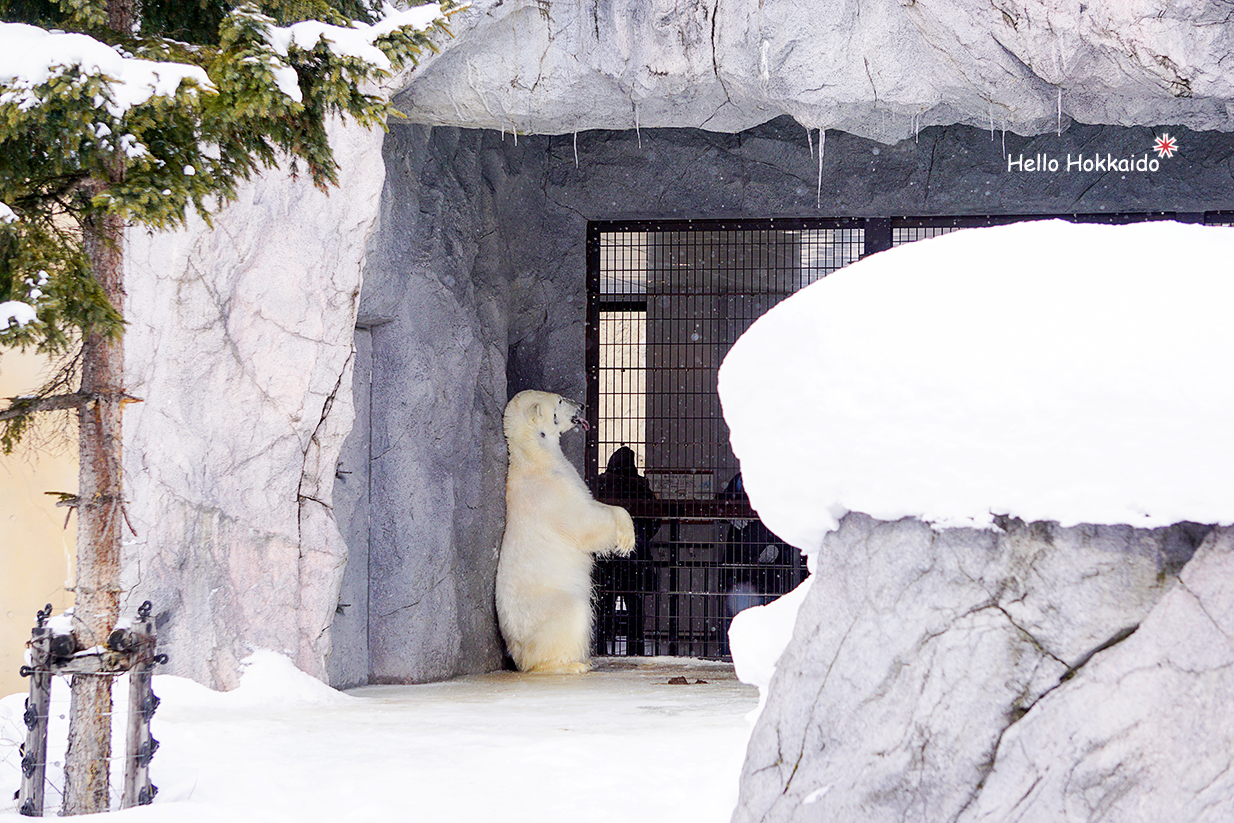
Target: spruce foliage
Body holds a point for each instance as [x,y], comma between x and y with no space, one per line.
[73,148]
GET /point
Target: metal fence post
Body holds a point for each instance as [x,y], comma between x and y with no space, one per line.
[38,704]
[139,745]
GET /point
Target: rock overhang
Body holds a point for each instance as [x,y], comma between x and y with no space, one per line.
[881,70]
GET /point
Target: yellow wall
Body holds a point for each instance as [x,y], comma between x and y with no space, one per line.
[35,548]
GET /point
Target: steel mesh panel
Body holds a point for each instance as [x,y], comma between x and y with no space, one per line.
[907,234]
[671,300]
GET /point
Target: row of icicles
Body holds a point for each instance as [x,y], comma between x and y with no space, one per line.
[822,140]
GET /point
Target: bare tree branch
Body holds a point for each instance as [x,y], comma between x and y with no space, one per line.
[22,406]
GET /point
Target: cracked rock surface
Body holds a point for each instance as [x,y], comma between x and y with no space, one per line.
[1144,731]
[1033,673]
[240,344]
[876,68]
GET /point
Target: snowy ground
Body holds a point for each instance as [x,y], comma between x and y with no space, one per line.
[622,743]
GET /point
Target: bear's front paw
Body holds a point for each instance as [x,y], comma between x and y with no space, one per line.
[625,531]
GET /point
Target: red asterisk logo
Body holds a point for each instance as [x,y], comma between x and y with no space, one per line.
[1165,146]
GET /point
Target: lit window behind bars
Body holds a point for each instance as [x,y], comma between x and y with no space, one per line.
[670,305]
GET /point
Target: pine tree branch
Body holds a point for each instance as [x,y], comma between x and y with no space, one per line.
[22,406]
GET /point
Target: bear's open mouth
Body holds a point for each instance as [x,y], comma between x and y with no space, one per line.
[580,421]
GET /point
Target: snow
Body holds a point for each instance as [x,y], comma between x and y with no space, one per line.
[61,623]
[356,41]
[758,637]
[1045,370]
[15,312]
[619,744]
[30,56]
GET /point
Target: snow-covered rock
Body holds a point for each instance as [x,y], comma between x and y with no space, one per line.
[878,68]
[979,675]
[1022,671]
[1046,370]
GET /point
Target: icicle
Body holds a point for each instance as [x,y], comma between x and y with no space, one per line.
[1004,138]
[576,148]
[637,133]
[514,129]
[810,140]
[822,142]
[990,110]
[1060,111]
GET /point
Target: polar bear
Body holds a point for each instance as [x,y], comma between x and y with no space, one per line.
[553,530]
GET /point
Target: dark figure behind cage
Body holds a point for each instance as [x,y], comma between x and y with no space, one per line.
[622,583]
[758,565]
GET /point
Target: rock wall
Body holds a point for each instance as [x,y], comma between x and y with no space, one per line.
[435,305]
[240,344]
[1144,733]
[1033,674]
[877,68]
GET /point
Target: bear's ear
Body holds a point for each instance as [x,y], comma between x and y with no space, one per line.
[535,413]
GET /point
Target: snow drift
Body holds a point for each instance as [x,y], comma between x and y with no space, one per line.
[1043,370]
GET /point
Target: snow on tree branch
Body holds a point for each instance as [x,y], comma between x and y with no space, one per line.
[14,312]
[31,57]
[144,130]
[357,41]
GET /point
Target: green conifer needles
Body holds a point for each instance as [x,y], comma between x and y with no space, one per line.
[92,123]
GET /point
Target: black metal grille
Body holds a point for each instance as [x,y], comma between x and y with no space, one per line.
[907,234]
[666,302]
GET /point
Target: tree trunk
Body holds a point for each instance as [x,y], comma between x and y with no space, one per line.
[99,520]
[100,510]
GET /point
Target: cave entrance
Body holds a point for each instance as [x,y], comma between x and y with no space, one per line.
[666,301]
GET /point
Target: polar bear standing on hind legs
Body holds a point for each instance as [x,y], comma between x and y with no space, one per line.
[553,531]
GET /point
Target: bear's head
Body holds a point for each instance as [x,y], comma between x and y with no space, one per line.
[541,416]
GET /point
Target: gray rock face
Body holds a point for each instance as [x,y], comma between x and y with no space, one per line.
[240,343]
[456,315]
[1144,733]
[1034,674]
[879,68]
[436,478]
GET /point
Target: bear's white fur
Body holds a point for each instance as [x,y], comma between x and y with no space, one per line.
[553,530]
